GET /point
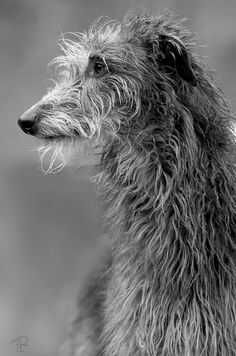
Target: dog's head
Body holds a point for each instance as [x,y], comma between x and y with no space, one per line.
[110,79]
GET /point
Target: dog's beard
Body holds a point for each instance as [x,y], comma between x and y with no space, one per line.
[56,154]
[53,156]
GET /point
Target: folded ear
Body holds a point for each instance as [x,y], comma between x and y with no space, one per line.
[174,56]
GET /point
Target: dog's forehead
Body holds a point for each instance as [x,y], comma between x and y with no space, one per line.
[107,32]
[108,40]
[101,39]
[111,41]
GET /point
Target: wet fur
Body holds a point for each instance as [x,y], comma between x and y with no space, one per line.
[167,170]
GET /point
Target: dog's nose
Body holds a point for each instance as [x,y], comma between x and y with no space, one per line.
[27,121]
[27,125]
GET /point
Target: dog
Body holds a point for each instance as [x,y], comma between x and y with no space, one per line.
[166,166]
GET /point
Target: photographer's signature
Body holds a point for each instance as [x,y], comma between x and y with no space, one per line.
[21,343]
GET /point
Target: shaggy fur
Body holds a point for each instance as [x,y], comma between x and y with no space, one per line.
[137,91]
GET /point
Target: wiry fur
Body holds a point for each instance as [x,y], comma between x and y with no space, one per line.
[167,169]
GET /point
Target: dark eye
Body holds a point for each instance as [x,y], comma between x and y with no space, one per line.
[97,66]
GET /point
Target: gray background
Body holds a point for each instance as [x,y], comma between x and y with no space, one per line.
[50,225]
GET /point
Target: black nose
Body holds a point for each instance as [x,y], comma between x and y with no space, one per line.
[28,121]
[27,125]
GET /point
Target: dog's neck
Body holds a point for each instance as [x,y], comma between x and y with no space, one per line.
[174,227]
[165,204]
[163,195]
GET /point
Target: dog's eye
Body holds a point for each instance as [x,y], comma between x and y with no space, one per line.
[97,66]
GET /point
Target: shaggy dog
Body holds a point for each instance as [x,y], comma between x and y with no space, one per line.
[167,167]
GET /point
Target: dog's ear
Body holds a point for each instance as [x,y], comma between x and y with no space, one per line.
[173,56]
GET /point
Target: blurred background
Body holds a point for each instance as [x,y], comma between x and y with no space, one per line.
[50,225]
